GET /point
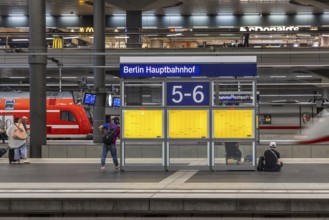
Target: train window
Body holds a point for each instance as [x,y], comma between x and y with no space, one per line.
[67,116]
[9,104]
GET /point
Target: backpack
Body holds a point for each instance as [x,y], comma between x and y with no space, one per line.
[261,163]
[109,136]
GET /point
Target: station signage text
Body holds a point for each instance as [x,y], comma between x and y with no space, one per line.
[271,28]
[187,70]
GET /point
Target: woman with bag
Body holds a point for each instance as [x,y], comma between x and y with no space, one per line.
[17,136]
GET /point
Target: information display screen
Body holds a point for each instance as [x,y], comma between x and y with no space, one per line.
[233,123]
[143,123]
[89,99]
[188,123]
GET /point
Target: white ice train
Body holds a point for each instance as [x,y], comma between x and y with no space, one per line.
[316,133]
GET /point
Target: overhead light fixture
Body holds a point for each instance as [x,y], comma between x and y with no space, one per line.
[174,35]
[175,27]
[278,76]
[16,15]
[74,37]
[17,77]
[121,37]
[304,76]
[251,14]
[225,13]
[69,77]
[23,39]
[150,27]
[199,27]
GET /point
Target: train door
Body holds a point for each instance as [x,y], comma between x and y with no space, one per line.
[6,121]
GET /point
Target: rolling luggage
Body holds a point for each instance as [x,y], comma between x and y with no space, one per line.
[11,156]
[2,152]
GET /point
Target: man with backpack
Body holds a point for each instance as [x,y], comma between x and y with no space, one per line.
[272,159]
[111,132]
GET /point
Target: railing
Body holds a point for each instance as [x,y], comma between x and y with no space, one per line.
[83,58]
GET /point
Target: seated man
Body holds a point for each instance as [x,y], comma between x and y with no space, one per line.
[232,151]
[272,159]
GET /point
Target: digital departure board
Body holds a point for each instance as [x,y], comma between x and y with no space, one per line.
[188,123]
[143,124]
[232,123]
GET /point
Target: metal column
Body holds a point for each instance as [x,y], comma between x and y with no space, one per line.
[99,71]
[37,35]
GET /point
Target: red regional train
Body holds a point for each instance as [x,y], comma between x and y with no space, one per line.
[65,118]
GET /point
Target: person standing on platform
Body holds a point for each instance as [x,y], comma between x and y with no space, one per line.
[111,129]
[246,38]
[273,162]
[19,145]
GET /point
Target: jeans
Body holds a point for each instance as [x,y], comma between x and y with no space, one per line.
[21,152]
[113,150]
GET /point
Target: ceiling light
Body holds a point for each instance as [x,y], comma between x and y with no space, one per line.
[75,37]
[200,27]
[17,77]
[69,77]
[16,15]
[278,76]
[150,27]
[121,37]
[304,76]
[23,39]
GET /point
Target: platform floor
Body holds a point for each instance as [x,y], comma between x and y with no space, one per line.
[298,177]
[76,185]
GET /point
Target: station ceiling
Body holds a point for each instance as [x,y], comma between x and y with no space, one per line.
[172,7]
[166,7]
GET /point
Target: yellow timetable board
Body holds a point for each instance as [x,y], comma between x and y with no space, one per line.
[233,123]
[188,123]
[143,124]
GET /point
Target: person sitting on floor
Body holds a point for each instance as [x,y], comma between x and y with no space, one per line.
[273,162]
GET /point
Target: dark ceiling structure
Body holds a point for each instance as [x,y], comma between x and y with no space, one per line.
[83,78]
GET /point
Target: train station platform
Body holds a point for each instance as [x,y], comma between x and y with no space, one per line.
[69,187]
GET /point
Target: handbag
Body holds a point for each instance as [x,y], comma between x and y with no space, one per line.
[19,134]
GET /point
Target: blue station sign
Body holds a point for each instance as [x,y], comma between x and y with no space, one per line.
[187,70]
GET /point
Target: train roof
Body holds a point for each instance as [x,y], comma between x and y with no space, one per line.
[60,95]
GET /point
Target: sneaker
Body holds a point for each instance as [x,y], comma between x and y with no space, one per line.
[117,167]
[26,162]
[102,169]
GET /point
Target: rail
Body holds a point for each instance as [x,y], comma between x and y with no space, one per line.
[83,58]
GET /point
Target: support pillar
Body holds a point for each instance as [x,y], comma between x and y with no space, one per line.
[133,28]
[99,71]
[37,37]
[325,94]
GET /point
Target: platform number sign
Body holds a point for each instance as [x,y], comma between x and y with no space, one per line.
[187,93]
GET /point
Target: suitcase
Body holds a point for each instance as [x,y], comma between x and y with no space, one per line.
[11,155]
[3,151]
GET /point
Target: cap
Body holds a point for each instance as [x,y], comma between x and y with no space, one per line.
[24,117]
[272,144]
